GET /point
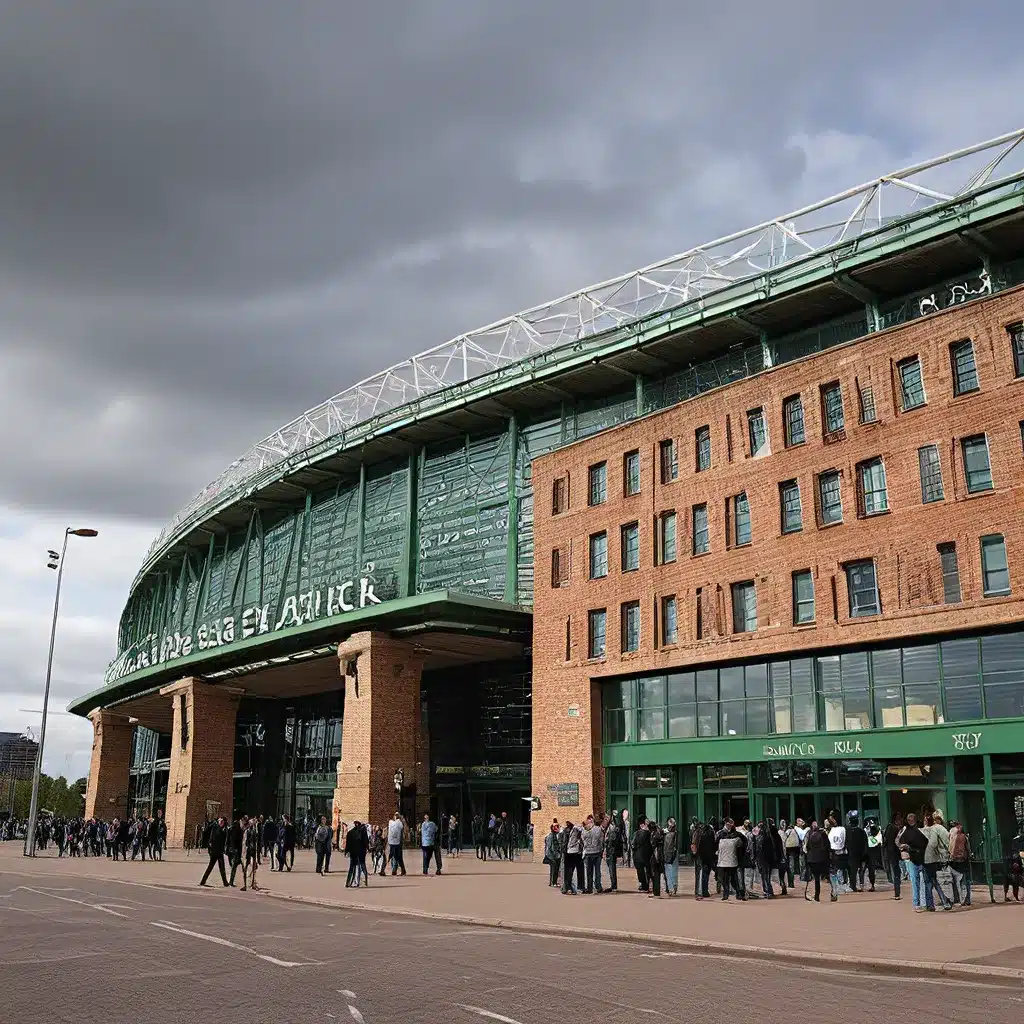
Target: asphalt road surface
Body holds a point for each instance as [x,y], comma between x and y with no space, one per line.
[114,951]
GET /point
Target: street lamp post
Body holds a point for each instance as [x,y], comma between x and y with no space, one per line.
[56,561]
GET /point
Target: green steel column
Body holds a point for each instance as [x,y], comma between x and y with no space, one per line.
[990,832]
[512,536]
[873,317]
[952,809]
[639,395]
[700,793]
[361,527]
[410,556]
[766,352]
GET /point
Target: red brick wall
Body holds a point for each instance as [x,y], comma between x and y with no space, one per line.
[902,541]
[204,770]
[381,727]
[107,792]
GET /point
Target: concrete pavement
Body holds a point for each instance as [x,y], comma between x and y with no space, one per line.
[869,929]
[88,949]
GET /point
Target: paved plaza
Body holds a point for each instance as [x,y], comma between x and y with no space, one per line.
[868,926]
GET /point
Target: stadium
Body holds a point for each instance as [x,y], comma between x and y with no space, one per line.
[805,443]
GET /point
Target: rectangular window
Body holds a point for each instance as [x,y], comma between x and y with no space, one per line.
[832,408]
[931,474]
[744,607]
[598,555]
[598,484]
[830,497]
[977,468]
[911,383]
[1016,332]
[668,461]
[862,588]
[698,602]
[965,372]
[803,597]
[631,473]
[669,622]
[630,544]
[757,432]
[559,495]
[868,414]
[701,534]
[789,503]
[950,573]
[568,638]
[995,570]
[559,567]
[793,420]
[703,442]
[874,497]
[741,520]
[667,537]
[630,626]
[597,623]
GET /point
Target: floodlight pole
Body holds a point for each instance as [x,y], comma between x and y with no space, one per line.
[33,810]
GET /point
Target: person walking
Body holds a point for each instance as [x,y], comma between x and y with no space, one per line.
[960,863]
[234,844]
[355,847]
[593,847]
[216,841]
[731,846]
[913,842]
[892,859]
[251,840]
[818,857]
[612,852]
[322,837]
[395,835]
[552,854]
[428,845]
[936,855]
[642,852]
[670,853]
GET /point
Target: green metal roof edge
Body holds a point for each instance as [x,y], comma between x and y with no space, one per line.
[826,264]
[135,683]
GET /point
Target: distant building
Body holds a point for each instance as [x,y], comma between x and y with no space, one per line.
[17,755]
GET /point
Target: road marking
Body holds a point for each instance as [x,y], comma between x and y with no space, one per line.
[659,956]
[487,1013]
[172,927]
[81,903]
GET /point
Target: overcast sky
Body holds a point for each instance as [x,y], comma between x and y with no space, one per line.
[214,215]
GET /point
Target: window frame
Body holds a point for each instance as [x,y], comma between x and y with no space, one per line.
[955,348]
[626,610]
[737,507]
[789,405]
[973,440]
[627,531]
[596,536]
[786,489]
[949,571]
[667,639]
[757,421]
[705,531]
[1016,335]
[598,472]
[923,474]
[851,567]
[797,576]
[631,482]
[995,540]
[702,448]
[560,489]
[870,466]
[822,478]
[595,615]
[667,516]
[668,460]
[742,590]
[830,431]
[911,363]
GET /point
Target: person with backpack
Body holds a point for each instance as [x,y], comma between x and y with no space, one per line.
[612,851]
[791,852]
[912,844]
[960,863]
[818,855]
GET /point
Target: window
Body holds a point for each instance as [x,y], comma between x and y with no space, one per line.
[911,383]
[630,543]
[862,588]
[701,534]
[559,495]
[668,461]
[874,497]
[868,414]
[667,537]
[597,623]
[744,607]
[832,409]
[977,469]
[703,440]
[995,570]
[631,473]
[598,555]
[699,612]
[568,638]
[789,502]
[559,567]
[793,420]
[741,519]
[931,474]
[830,497]
[669,623]
[803,597]
[598,484]
[1017,347]
[630,626]
[183,711]
[965,372]
[950,573]
[757,432]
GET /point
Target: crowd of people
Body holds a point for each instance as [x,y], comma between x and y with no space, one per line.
[92,837]
[760,860]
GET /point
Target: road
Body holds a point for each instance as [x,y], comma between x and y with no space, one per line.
[102,951]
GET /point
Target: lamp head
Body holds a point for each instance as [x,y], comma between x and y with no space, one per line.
[84,532]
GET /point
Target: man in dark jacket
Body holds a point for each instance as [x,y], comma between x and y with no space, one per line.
[286,844]
[642,852]
[914,841]
[857,850]
[217,837]
[704,858]
[234,844]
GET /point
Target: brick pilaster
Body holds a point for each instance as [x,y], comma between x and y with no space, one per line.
[202,756]
[107,792]
[381,726]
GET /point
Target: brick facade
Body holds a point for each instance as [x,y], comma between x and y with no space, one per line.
[107,792]
[202,756]
[902,540]
[381,728]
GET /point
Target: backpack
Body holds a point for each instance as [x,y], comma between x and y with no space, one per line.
[958,850]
